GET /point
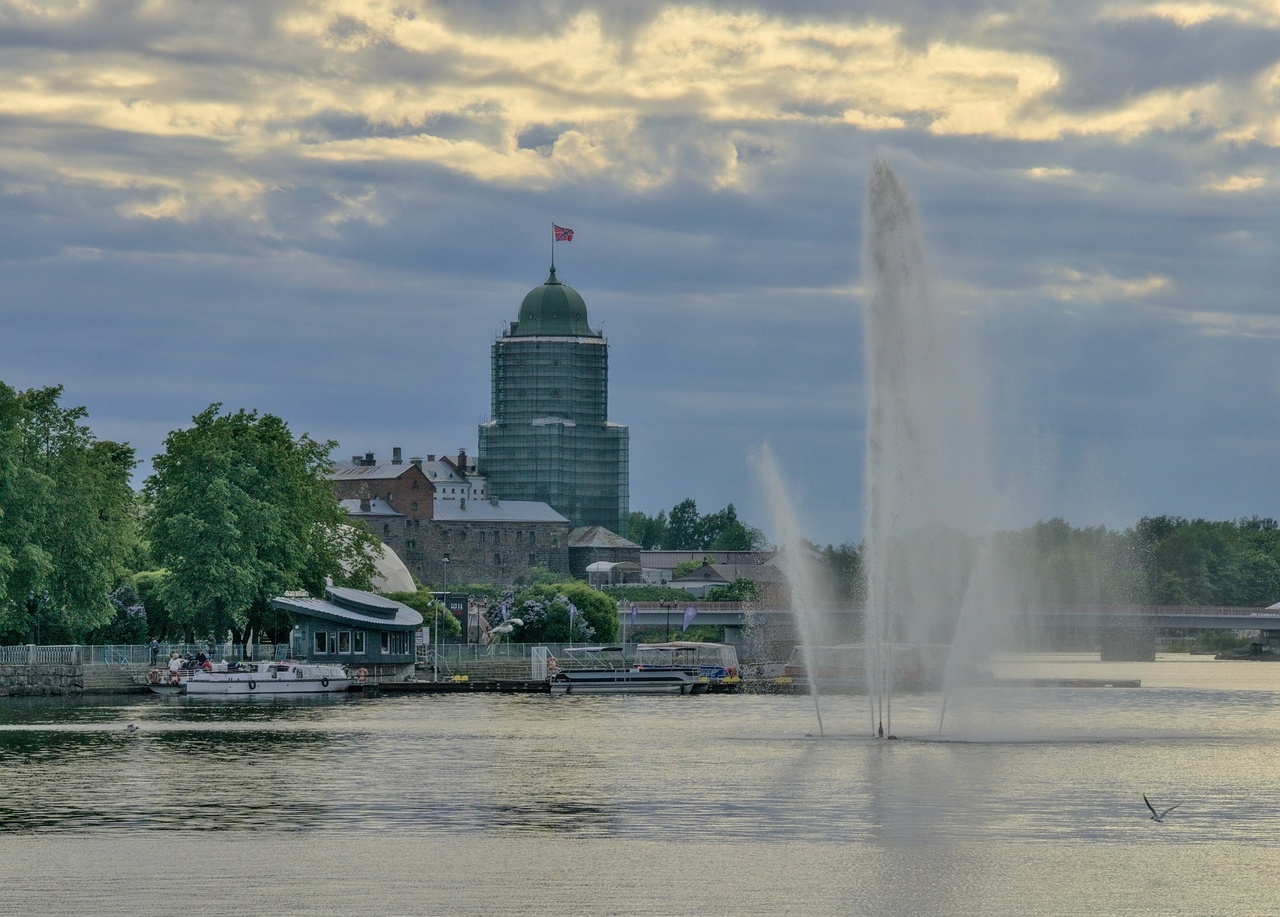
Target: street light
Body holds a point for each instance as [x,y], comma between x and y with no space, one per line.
[435,656]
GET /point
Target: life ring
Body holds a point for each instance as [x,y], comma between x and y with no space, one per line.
[252,684]
[174,678]
[324,682]
[553,664]
[361,675]
[153,677]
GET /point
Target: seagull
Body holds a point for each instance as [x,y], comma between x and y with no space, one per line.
[1158,816]
[132,727]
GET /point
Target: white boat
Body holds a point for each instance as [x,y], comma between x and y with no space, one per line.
[604,670]
[717,662]
[257,678]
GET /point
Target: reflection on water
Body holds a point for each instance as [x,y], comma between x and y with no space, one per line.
[566,786]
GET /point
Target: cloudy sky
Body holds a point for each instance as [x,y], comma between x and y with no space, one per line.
[327,210]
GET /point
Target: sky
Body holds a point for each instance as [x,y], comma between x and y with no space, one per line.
[328,210]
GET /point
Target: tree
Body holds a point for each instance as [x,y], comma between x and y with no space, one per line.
[686,530]
[740,590]
[683,527]
[239,513]
[650,532]
[66,518]
[545,613]
[431,609]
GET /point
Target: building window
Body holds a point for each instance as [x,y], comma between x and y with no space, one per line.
[481,537]
[414,505]
[386,528]
[533,560]
[497,559]
[519,537]
[321,642]
[532,537]
[444,536]
[357,643]
[344,641]
[462,536]
[386,642]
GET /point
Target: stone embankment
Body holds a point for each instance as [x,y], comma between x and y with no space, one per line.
[41,680]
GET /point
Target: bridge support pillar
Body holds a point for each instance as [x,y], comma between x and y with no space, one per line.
[1127,643]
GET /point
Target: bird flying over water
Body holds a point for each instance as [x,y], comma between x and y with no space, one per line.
[1158,816]
[132,727]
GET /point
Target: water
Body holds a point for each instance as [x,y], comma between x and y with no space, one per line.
[489,804]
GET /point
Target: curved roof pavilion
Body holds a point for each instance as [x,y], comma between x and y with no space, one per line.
[353,606]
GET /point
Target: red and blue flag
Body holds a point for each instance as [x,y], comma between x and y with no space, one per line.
[563,234]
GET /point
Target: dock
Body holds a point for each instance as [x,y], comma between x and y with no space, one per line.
[454,686]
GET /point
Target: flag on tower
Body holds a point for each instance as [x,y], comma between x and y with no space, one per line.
[562,234]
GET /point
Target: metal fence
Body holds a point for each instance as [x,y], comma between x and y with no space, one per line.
[30,654]
[133,655]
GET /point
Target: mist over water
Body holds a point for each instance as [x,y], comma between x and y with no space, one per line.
[934,578]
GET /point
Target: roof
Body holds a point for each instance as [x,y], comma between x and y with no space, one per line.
[376,507]
[496,511]
[381,471]
[353,606]
[597,536]
[667,560]
[727,573]
[554,309]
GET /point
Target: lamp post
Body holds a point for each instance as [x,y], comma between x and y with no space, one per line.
[435,656]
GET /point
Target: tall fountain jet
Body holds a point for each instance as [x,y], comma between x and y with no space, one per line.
[926,475]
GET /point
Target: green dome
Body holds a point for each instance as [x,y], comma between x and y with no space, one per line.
[554,309]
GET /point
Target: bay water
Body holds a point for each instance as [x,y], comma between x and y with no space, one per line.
[1031,801]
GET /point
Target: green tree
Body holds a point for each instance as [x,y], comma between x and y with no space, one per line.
[66,519]
[740,590]
[683,527]
[685,567]
[239,513]
[650,532]
[544,611]
[431,609]
[846,573]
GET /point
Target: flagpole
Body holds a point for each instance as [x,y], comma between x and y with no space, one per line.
[553,246]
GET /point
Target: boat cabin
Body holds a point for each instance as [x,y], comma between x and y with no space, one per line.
[717,662]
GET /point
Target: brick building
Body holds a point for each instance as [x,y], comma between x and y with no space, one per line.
[429,510]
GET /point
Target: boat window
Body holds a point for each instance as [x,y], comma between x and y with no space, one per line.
[386,642]
[357,643]
[344,641]
[322,641]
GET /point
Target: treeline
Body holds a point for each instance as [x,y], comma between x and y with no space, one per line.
[1162,560]
[685,529]
[236,512]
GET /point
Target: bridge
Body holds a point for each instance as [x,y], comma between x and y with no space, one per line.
[1124,630]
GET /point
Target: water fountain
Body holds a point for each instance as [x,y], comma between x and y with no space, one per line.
[929,497]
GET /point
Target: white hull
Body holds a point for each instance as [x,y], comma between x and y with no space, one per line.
[214,686]
[258,678]
[610,681]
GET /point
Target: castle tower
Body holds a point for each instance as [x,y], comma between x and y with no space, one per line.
[549,439]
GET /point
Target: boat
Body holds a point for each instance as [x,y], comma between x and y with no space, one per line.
[604,670]
[165,681]
[257,678]
[843,669]
[717,662]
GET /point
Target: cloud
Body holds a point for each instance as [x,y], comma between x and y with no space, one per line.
[328,209]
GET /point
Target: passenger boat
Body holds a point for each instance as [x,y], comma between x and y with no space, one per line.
[257,678]
[604,670]
[717,662]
